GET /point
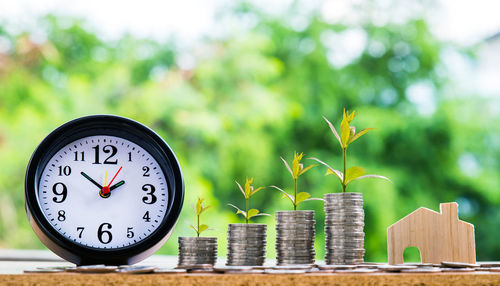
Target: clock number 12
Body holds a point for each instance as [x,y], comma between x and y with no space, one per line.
[106,149]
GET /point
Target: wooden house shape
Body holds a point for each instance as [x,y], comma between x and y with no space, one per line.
[438,236]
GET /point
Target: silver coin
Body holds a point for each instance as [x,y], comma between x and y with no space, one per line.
[137,270]
[43,270]
[422,270]
[395,268]
[457,269]
[336,267]
[194,238]
[200,270]
[295,267]
[458,264]
[195,266]
[489,264]
[96,269]
[200,255]
[489,269]
[169,271]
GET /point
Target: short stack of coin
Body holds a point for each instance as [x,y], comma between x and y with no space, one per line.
[197,251]
[246,244]
[344,223]
[295,237]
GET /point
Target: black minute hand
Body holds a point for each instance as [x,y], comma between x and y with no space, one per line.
[116,185]
[91,180]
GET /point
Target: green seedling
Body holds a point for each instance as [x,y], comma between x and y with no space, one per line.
[199,209]
[247,192]
[347,136]
[296,171]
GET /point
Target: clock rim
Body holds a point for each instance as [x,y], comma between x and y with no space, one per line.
[83,127]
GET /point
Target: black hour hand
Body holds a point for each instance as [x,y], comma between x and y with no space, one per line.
[91,180]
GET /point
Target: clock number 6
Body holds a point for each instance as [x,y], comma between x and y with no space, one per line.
[106,233]
[149,198]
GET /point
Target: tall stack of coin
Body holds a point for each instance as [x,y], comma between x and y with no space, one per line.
[246,244]
[344,223]
[197,251]
[295,237]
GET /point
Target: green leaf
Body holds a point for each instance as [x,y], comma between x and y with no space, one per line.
[252,213]
[262,214]
[248,187]
[256,190]
[307,169]
[359,134]
[330,169]
[350,117]
[314,199]
[372,176]
[204,209]
[238,210]
[296,164]
[241,189]
[335,172]
[302,196]
[203,227]
[353,173]
[333,130]
[287,166]
[345,132]
[285,194]
[199,208]
[193,227]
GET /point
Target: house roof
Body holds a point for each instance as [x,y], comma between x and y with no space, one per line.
[425,210]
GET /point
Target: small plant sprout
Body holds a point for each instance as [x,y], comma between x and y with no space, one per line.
[199,209]
[296,171]
[347,136]
[247,192]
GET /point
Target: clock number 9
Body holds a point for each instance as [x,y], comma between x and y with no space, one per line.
[149,198]
[106,233]
[63,192]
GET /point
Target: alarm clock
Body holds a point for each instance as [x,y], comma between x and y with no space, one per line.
[103,189]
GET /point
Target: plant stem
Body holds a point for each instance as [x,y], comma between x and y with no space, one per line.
[344,177]
[295,194]
[246,217]
[198,229]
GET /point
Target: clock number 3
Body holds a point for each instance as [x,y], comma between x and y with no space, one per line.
[149,198]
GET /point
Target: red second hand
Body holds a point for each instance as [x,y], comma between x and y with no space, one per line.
[105,189]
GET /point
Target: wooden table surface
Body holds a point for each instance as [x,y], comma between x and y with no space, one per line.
[12,264]
[473,278]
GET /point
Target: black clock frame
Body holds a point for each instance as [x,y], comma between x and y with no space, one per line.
[103,125]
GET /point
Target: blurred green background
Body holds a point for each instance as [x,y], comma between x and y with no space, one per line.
[231,105]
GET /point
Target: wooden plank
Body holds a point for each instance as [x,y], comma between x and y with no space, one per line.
[438,236]
[254,279]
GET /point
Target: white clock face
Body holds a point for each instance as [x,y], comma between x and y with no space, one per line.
[103,192]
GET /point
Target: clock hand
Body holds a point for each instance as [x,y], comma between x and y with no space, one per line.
[105,191]
[116,185]
[91,180]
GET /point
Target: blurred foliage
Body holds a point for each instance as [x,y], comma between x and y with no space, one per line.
[250,97]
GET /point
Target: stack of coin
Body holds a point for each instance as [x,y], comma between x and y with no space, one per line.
[197,251]
[295,237]
[246,244]
[344,223]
